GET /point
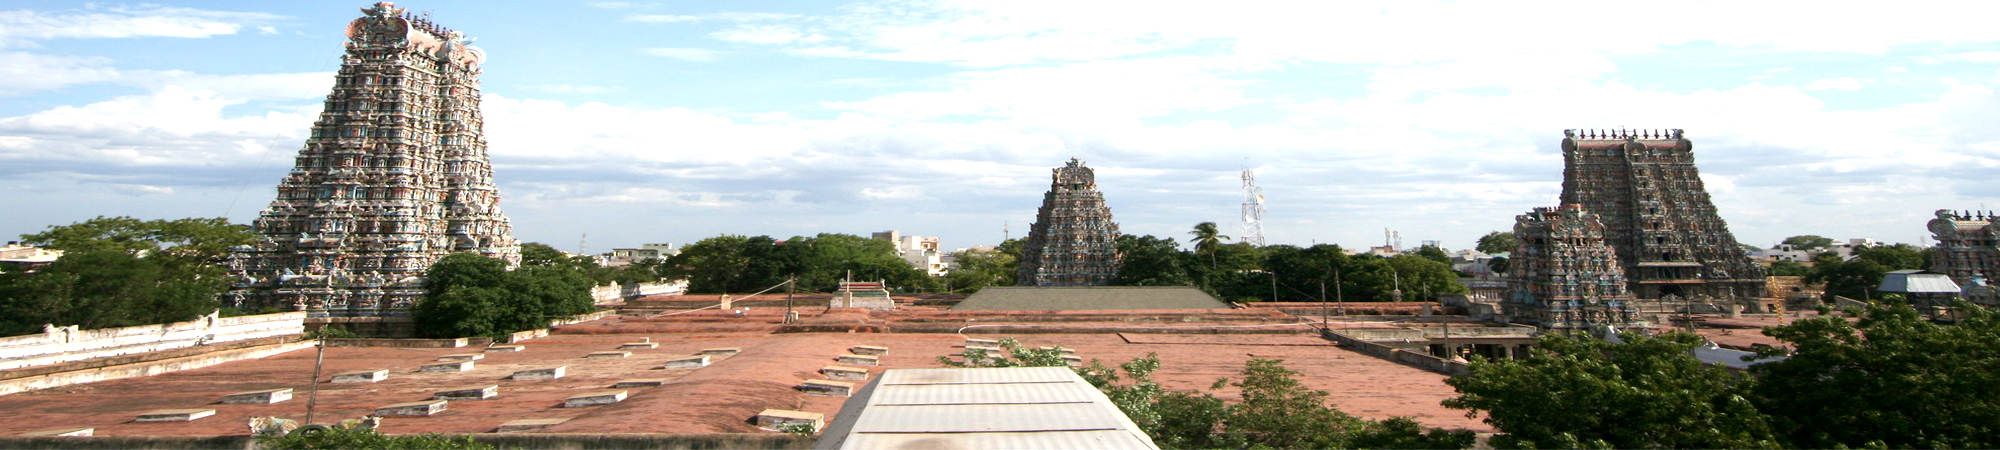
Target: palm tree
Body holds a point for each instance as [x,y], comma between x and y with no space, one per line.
[1206,237]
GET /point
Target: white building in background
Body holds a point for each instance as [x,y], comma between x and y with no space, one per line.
[623,256]
[26,258]
[921,252]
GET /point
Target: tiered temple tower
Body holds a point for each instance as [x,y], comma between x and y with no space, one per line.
[394,177]
[1073,241]
[1968,250]
[1657,214]
[1563,275]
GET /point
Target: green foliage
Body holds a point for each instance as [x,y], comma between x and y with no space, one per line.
[1648,392]
[472,295]
[362,438]
[1206,238]
[1276,411]
[1497,242]
[1855,278]
[1301,271]
[1432,252]
[1018,356]
[1889,379]
[1499,264]
[731,263]
[1151,261]
[1896,257]
[1422,279]
[977,269]
[1808,242]
[800,429]
[1787,268]
[121,271]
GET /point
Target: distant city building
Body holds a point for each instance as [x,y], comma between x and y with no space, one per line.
[1968,251]
[1643,185]
[1073,241]
[622,256]
[394,176]
[1564,275]
[921,252]
[26,258]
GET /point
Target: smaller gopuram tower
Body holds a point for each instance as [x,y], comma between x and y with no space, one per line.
[1968,250]
[1643,185]
[394,176]
[1073,241]
[1564,276]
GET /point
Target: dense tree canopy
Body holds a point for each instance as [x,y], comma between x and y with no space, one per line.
[121,271]
[471,295]
[731,263]
[977,269]
[1808,242]
[1858,277]
[1497,242]
[1582,392]
[1151,261]
[1890,379]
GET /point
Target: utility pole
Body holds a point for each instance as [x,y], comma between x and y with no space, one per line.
[312,394]
[791,287]
[1338,293]
[1322,305]
[1274,285]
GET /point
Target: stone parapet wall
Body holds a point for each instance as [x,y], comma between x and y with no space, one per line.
[616,293]
[1405,357]
[111,370]
[57,345]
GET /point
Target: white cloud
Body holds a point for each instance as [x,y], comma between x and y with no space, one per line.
[715,17]
[22,26]
[22,73]
[690,54]
[579,89]
[1842,83]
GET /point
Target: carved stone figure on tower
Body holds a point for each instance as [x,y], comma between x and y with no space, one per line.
[1073,241]
[396,160]
[1563,275]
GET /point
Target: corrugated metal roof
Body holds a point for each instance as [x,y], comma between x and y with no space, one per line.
[1917,282]
[1026,298]
[1014,407]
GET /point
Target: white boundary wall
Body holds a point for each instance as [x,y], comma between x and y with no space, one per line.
[615,293]
[57,345]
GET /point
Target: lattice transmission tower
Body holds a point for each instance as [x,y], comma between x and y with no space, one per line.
[1253,210]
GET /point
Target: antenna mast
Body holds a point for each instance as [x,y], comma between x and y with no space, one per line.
[1253,210]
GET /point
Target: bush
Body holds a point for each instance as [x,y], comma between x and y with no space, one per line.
[362,438]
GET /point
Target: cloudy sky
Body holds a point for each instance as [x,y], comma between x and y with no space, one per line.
[672,121]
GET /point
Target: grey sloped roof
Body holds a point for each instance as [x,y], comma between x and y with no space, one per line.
[1027,298]
[996,408]
[1917,282]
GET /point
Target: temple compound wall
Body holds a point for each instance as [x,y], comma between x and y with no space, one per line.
[394,176]
[1968,250]
[1073,241]
[1564,275]
[1657,215]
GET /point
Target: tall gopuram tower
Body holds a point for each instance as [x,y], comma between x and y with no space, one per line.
[1073,241]
[1564,276]
[1643,185]
[1968,250]
[394,177]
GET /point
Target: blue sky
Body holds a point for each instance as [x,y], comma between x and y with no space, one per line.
[673,121]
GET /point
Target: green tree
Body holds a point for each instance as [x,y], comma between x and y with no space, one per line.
[367,439]
[1301,271]
[1432,252]
[712,265]
[1497,242]
[1896,257]
[1856,278]
[121,271]
[977,269]
[1582,392]
[1150,261]
[472,295]
[1206,238]
[1888,380]
[1422,279]
[1787,268]
[1499,264]
[1808,242]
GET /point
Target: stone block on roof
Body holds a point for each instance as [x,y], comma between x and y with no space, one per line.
[638,345]
[868,350]
[527,425]
[448,366]
[688,362]
[858,360]
[594,399]
[972,342]
[726,351]
[412,409]
[365,376]
[506,348]
[174,415]
[540,374]
[607,354]
[827,388]
[844,373]
[462,357]
[469,393]
[62,432]
[263,397]
[639,382]
[773,418]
